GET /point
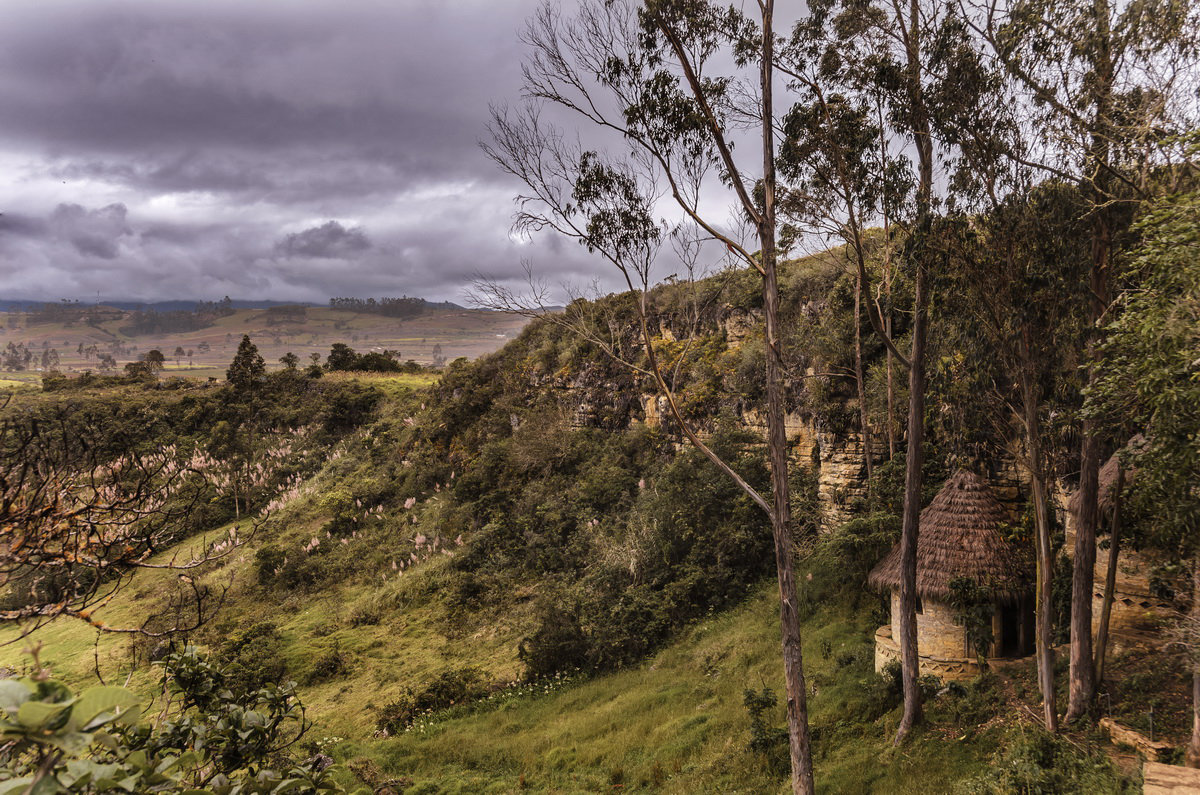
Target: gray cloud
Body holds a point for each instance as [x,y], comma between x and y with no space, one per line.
[92,233]
[204,147]
[330,240]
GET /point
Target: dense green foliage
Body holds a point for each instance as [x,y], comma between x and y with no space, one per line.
[209,740]
[343,357]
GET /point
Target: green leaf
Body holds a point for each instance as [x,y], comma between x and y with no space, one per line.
[37,714]
[98,704]
[15,785]
[71,743]
[13,694]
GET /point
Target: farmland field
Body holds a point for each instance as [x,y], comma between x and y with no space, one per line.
[437,334]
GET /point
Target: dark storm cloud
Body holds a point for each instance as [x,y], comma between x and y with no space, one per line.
[330,240]
[291,150]
[93,233]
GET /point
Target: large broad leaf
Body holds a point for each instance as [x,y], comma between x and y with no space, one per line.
[15,786]
[69,742]
[37,714]
[98,705]
[13,694]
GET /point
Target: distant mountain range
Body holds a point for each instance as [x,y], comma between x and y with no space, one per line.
[18,305]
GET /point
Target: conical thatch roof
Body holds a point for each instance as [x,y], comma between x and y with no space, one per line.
[959,537]
[1108,480]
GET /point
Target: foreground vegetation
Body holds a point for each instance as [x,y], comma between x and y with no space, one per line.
[475,594]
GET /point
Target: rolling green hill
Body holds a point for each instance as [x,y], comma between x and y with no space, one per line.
[512,580]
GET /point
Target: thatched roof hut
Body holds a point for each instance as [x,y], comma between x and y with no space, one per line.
[1108,479]
[960,537]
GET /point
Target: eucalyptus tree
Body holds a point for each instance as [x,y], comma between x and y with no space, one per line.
[1025,320]
[650,74]
[896,109]
[1150,376]
[1104,85]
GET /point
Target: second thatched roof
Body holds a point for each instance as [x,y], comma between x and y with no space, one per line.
[960,537]
[1107,489]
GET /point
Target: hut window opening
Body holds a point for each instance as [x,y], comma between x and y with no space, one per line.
[920,606]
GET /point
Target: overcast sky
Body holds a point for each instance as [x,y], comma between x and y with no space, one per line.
[285,149]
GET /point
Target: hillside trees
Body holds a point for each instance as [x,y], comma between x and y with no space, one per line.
[96,485]
[1103,86]
[1022,328]
[895,110]
[1149,375]
[75,522]
[647,73]
[247,367]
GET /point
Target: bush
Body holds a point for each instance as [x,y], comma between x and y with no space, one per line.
[215,741]
[883,692]
[453,687]
[1037,762]
[268,562]
[253,659]
[558,644]
[367,615]
[769,742]
[330,665]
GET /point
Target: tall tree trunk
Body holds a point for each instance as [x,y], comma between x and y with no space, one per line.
[891,387]
[909,660]
[923,141]
[1192,757]
[1045,561]
[1110,577]
[887,304]
[864,425]
[1083,673]
[777,449]
[1083,575]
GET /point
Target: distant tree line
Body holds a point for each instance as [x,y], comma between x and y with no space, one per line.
[149,321]
[69,312]
[287,313]
[403,307]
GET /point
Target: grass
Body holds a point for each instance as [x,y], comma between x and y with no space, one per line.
[388,382]
[411,643]
[672,724]
[676,723]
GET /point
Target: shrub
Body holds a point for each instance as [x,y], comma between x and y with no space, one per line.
[268,562]
[333,663]
[253,659]
[558,644]
[1037,762]
[94,741]
[769,742]
[365,615]
[454,687]
[883,692]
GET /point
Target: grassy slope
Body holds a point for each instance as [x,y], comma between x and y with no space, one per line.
[673,724]
[676,723]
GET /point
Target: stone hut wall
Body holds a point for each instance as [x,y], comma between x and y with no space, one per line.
[938,635]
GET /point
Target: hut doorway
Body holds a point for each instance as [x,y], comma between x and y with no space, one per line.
[1009,640]
[1014,635]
